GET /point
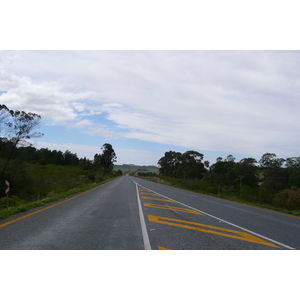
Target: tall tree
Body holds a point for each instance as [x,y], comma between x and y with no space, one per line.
[169,163]
[270,160]
[107,158]
[276,177]
[192,165]
[19,129]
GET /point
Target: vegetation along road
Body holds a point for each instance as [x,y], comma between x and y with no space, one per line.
[132,213]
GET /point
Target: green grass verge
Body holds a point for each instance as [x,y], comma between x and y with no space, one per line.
[23,208]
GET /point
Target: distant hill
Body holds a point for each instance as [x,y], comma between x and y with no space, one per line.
[132,167]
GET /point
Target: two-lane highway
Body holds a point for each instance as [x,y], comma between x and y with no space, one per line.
[132,213]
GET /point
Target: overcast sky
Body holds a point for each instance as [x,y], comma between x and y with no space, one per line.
[244,103]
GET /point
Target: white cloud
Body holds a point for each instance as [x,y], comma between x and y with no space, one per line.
[91,113]
[82,124]
[102,132]
[232,101]
[46,98]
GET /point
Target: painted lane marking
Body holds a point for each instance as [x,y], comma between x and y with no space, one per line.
[229,223]
[212,229]
[149,194]
[162,248]
[158,199]
[191,211]
[146,240]
[152,196]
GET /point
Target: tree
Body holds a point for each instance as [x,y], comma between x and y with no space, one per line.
[229,173]
[18,129]
[70,158]
[247,170]
[169,163]
[276,178]
[223,173]
[186,165]
[269,160]
[230,158]
[192,164]
[293,166]
[107,158]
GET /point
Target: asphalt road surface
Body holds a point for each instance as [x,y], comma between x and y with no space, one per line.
[129,213]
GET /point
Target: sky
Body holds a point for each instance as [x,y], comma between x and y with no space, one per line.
[144,103]
[147,80]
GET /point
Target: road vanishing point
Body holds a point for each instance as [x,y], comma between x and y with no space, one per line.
[130,213]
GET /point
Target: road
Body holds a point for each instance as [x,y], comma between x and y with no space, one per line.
[130,213]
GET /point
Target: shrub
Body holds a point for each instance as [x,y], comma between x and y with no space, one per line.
[13,201]
[288,198]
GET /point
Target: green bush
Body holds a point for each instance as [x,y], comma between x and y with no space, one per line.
[288,198]
[13,201]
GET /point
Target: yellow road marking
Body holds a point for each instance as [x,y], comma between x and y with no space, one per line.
[162,248]
[159,199]
[191,211]
[153,194]
[230,233]
[40,210]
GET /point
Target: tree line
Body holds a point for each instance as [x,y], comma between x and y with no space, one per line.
[30,170]
[270,180]
[45,156]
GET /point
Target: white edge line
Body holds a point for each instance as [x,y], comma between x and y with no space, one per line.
[147,244]
[254,233]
